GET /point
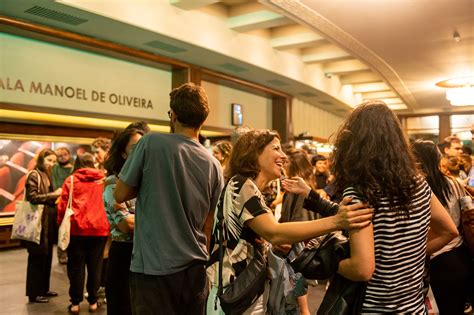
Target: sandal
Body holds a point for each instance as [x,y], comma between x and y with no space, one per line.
[74,309]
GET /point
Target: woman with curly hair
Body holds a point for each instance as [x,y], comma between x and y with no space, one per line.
[255,161]
[372,161]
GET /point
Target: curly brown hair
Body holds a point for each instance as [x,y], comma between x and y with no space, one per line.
[372,155]
[244,157]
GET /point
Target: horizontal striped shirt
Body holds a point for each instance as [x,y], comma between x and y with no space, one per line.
[400,252]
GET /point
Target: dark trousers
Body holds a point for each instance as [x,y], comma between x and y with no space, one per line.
[450,278]
[117,287]
[84,251]
[38,272]
[184,292]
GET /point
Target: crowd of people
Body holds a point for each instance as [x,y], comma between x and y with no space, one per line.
[146,205]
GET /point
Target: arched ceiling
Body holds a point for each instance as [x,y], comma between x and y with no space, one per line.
[332,54]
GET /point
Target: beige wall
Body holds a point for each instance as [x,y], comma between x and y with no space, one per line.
[257,110]
[317,122]
[96,83]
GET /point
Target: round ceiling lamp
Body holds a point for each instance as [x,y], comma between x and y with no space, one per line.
[460,90]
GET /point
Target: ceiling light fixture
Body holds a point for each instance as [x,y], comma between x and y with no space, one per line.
[456,36]
[460,90]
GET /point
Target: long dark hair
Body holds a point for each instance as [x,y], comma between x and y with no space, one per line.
[244,157]
[40,159]
[429,156]
[372,155]
[115,160]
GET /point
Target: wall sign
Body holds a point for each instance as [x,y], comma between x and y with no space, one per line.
[51,76]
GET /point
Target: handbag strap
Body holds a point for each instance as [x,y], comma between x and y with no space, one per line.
[28,175]
[69,201]
[468,193]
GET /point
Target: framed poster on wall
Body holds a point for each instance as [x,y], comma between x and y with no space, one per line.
[237,117]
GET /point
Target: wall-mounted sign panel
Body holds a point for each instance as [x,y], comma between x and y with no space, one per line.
[50,76]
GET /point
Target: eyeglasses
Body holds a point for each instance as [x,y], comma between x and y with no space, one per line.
[169,113]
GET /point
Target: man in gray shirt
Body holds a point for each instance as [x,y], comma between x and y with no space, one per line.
[177,183]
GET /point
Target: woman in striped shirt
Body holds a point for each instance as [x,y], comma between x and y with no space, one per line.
[372,157]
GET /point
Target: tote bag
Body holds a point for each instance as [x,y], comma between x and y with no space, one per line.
[27,221]
[64,234]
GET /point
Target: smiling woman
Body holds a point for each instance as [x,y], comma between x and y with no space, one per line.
[256,160]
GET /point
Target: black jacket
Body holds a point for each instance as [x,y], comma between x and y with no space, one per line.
[38,192]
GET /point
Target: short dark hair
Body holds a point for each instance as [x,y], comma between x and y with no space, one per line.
[139,125]
[452,139]
[317,158]
[41,156]
[85,160]
[244,157]
[115,161]
[103,143]
[189,103]
[446,143]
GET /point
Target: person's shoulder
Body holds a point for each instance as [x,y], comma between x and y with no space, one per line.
[420,180]
[153,137]
[242,182]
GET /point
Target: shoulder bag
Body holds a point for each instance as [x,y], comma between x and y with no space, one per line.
[320,260]
[248,285]
[27,221]
[64,234]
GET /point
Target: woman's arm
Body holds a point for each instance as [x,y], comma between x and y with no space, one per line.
[316,203]
[123,192]
[127,224]
[118,214]
[361,265]
[313,201]
[442,229]
[267,227]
